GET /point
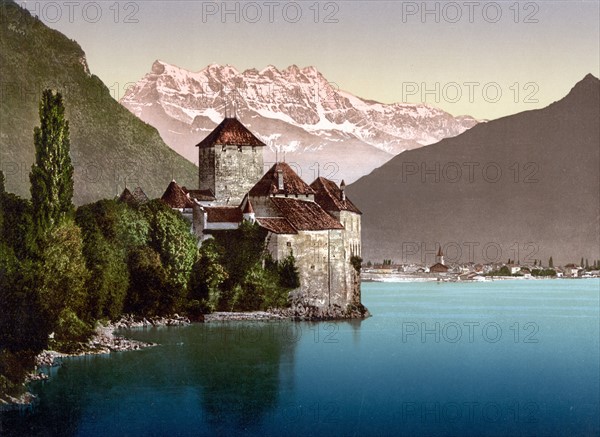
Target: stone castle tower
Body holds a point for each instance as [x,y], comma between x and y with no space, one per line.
[230,161]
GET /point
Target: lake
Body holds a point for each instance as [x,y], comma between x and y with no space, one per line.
[501,358]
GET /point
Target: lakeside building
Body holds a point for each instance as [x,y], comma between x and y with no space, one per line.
[440,266]
[316,223]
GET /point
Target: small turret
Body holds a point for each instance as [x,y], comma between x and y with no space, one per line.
[248,212]
[343,188]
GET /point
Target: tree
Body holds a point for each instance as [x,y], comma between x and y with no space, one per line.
[581,263]
[22,325]
[17,230]
[288,273]
[208,274]
[109,278]
[587,264]
[243,247]
[170,237]
[52,172]
[107,244]
[551,263]
[63,273]
[147,283]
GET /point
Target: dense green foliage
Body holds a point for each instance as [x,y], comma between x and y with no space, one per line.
[502,271]
[543,272]
[170,236]
[356,262]
[148,287]
[17,224]
[208,274]
[234,272]
[110,231]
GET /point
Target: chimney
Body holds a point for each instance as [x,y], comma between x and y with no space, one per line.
[343,188]
[280,180]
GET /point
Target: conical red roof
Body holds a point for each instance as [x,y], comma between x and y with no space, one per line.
[175,197]
[248,208]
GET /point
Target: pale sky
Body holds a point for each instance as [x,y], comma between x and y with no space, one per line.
[454,55]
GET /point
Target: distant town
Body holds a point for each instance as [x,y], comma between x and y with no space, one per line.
[471,271]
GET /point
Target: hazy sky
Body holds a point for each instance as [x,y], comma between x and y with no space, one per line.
[486,59]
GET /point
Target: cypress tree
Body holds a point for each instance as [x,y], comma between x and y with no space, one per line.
[551,263]
[51,175]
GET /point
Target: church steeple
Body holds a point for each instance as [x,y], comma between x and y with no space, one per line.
[440,256]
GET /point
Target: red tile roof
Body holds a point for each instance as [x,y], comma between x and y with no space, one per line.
[292,183]
[329,196]
[277,225]
[175,197]
[126,196]
[305,215]
[224,214]
[231,133]
[438,268]
[139,196]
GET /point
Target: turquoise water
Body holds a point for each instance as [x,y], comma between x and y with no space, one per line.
[504,358]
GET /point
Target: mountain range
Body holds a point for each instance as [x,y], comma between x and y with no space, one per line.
[110,147]
[296,112]
[523,187]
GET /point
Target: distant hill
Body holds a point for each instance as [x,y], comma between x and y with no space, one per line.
[551,202]
[108,144]
[293,110]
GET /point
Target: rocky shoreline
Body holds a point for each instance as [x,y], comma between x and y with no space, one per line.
[295,313]
[105,341]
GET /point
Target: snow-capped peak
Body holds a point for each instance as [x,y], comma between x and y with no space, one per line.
[298,99]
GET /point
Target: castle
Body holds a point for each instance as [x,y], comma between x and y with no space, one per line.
[317,223]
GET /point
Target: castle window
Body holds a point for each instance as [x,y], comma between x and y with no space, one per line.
[289,244]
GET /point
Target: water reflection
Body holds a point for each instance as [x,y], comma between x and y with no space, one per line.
[201,380]
[241,368]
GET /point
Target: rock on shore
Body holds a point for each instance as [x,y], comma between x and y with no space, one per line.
[295,312]
[104,340]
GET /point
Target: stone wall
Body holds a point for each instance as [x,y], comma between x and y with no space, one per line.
[325,275]
[230,171]
[352,225]
[263,207]
[206,168]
